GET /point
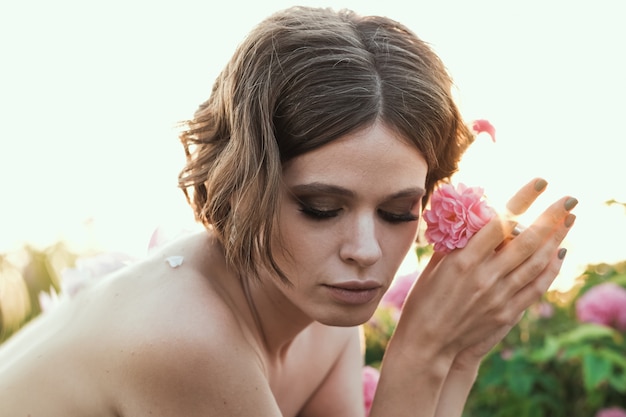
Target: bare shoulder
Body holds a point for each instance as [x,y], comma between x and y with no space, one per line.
[190,364]
[157,340]
[179,347]
[149,340]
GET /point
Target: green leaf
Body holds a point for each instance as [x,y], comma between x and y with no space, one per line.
[586,332]
[492,371]
[618,382]
[596,369]
[616,358]
[549,350]
[577,351]
[521,384]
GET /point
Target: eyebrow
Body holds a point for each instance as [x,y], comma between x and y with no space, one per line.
[322,188]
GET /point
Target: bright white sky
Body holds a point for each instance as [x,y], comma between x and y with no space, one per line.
[90,92]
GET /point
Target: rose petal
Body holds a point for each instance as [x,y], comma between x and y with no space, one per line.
[175,261]
[481,125]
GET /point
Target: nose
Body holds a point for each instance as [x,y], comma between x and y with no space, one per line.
[361,245]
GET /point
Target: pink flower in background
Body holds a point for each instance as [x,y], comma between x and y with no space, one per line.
[396,294]
[163,235]
[542,310]
[90,268]
[455,215]
[611,412]
[370,381]
[603,304]
[482,125]
[507,354]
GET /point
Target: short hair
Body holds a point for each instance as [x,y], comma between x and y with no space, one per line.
[302,78]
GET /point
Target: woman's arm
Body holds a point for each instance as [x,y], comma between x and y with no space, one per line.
[456,389]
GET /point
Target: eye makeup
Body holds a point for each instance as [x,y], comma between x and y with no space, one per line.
[322,202]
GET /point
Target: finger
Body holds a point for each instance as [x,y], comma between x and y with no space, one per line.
[546,233]
[535,249]
[490,237]
[524,198]
[516,231]
[534,290]
[432,264]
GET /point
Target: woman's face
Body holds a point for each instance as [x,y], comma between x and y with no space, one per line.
[348,216]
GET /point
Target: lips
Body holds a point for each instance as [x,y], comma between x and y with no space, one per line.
[354,292]
[356,285]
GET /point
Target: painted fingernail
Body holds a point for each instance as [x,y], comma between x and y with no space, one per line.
[540,185]
[569,220]
[562,253]
[570,203]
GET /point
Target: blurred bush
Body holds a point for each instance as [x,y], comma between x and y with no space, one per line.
[559,360]
[556,362]
[24,275]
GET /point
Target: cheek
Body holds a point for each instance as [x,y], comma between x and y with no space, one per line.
[400,241]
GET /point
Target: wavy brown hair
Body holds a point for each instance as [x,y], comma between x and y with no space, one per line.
[301,79]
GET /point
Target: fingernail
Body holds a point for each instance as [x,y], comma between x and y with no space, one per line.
[540,184]
[562,253]
[570,203]
[569,220]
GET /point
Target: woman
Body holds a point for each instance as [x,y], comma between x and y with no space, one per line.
[309,165]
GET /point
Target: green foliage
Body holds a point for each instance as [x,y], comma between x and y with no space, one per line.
[377,332]
[23,276]
[553,365]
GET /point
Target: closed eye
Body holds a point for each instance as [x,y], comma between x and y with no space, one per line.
[317,214]
[397,217]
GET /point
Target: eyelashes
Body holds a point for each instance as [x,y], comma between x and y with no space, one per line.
[319,215]
[316,214]
[397,218]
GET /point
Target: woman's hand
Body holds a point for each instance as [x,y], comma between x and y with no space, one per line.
[465,302]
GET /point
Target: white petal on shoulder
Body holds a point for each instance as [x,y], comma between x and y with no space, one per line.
[175,261]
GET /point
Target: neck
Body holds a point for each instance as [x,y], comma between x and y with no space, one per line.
[274,322]
[277,321]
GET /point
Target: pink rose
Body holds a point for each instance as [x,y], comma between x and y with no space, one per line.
[482,125]
[396,294]
[603,304]
[370,381]
[611,412]
[455,215]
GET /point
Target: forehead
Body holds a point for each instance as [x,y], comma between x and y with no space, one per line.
[374,158]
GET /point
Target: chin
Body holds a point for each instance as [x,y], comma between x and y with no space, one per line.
[348,317]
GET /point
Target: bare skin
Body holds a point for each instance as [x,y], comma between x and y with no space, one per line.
[136,344]
[157,341]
